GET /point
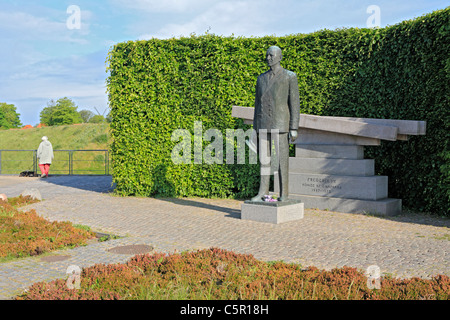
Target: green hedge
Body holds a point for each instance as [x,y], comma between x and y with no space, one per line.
[398,72]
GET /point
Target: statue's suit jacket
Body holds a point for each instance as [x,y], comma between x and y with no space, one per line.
[277,103]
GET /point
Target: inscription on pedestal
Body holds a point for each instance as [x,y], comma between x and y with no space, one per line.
[351,187]
[319,185]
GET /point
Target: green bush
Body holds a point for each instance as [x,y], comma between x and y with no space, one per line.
[398,72]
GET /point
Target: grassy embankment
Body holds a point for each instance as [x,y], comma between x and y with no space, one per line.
[68,137]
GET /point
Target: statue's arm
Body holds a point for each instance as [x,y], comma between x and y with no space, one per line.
[294,103]
[257,105]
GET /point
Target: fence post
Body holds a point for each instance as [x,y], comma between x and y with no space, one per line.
[70,162]
[35,162]
[107,152]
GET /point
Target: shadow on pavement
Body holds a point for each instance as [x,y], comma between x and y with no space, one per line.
[101,184]
[420,218]
[230,212]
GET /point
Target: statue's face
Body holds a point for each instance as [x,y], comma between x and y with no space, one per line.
[273,56]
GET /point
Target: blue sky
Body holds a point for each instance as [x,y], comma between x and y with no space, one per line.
[43,57]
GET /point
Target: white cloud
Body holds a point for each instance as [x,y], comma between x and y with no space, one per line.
[259,18]
[75,76]
[223,18]
[34,33]
[30,87]
[26,26]
[162,5]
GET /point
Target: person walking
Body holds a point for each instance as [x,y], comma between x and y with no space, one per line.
[45,156]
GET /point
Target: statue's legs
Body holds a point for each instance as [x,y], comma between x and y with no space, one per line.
[264,152]
[280,142]
[283,162]
[263,188]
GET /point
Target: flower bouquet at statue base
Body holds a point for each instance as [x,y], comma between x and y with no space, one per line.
[269,198]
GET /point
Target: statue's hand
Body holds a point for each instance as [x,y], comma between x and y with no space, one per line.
[293,135]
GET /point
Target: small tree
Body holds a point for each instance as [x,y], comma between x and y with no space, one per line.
[97,119]
[10,116]
[63,111]
[86,115]
[3,122]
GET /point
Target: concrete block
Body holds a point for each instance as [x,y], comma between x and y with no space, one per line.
[340,167]
[311,136]
[246,113]
[329,151]
[405,127]
[387,206]
[356,128]
[272,212]
[351,187]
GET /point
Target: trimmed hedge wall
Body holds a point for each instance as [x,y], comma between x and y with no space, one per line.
[397,72]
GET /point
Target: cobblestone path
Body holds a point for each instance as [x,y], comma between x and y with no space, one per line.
[404,246]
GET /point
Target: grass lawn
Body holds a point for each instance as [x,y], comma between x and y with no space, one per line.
[68,137]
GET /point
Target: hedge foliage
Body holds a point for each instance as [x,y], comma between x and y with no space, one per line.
[398,72]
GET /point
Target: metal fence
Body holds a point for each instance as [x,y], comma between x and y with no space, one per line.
[65,162]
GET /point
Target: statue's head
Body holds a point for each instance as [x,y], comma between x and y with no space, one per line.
[273,55]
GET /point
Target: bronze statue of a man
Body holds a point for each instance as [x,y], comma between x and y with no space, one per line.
[276,118]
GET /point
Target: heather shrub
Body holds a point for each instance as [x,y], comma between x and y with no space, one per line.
[57,290]
[217,274]
[25,233]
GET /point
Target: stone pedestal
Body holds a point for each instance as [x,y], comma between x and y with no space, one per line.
[338,178]
[329,171]
[272,212]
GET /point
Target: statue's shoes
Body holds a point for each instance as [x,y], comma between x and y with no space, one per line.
[257,198]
